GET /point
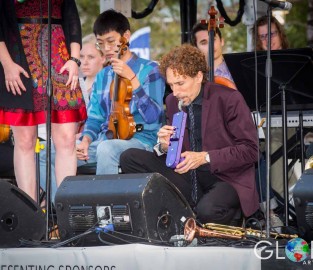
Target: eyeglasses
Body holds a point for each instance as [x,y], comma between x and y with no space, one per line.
[265,36]
[99,49]
[102,45]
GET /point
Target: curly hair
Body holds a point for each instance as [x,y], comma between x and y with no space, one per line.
[185,60]
[281,32]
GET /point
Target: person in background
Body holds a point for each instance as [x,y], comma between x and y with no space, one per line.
[92,61]
[279,39]
[200,39]
[217,173]
[278,42]
[146,104]
[23,80]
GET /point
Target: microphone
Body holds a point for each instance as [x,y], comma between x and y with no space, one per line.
[278,4]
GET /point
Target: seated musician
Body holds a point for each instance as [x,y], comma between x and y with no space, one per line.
[217,173]
[146,105]
[200,39]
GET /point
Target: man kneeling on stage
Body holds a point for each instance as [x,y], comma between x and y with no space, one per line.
[216,174]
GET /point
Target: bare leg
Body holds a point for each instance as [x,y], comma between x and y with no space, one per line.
[24,158]
[65,154]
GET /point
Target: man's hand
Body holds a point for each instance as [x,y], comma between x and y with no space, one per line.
[192,160]
[164,135]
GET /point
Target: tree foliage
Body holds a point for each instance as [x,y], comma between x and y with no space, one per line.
[166,29]
[296,24]
[88,11]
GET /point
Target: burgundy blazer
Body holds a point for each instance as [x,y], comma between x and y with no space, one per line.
[230,137]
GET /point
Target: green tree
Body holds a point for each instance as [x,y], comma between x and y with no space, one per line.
[296,24]
[88,11]
[165,23]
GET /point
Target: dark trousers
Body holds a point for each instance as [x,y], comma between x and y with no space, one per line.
[260,177]
[6,157]
[218,201]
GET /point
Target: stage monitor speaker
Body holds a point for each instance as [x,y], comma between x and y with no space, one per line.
[20,216]
[139,208]
[303,199]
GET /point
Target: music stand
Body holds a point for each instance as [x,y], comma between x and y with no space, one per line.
[286,66]
[290,80]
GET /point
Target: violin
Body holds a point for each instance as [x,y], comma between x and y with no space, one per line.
[121,122]
[214,23]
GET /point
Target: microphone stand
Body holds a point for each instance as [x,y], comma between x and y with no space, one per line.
[48,124]
[268,74]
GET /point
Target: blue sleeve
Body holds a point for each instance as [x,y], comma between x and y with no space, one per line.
[98,109]
[148,97]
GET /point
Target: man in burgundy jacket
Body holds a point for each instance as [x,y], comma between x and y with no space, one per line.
[217,174]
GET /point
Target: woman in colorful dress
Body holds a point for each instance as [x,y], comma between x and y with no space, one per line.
[23,80]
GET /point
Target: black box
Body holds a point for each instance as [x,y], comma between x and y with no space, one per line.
[140,208]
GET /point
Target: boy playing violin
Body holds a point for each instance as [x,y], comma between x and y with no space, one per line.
[145,106]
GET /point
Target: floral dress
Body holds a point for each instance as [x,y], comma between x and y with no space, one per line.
[67,105]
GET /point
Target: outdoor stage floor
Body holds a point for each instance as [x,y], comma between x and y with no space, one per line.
[142,257]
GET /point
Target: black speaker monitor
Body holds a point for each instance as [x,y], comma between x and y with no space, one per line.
[20,216]
[140,208]
[303,199]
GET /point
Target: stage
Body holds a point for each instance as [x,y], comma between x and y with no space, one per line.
[142,257]
[136,217]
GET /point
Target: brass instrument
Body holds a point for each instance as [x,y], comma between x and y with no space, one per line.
[224,231]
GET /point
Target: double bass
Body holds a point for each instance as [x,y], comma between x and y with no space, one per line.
[121,121]
[213,23]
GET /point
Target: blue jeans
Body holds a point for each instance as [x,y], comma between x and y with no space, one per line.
[109,151]
[43,164]
[92,152]
[105,152]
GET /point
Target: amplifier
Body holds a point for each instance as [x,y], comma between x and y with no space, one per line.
[120,209]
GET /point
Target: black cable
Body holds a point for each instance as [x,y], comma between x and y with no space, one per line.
[240,12]
[146,11]
[144,240]
[113,236]
[60,244]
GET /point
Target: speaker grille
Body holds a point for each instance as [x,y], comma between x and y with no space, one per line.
[81,218]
